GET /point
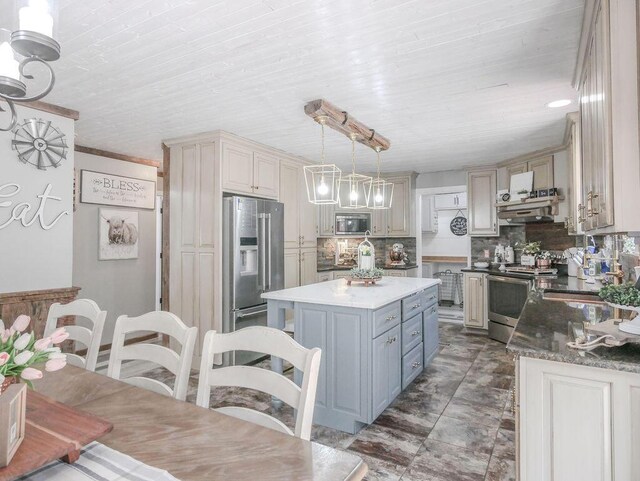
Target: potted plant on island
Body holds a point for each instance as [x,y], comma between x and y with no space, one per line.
[543,259]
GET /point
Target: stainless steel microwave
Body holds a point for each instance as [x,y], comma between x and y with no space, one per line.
[352,224]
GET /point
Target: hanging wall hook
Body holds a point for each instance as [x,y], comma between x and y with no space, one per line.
[373,134]
[346,117]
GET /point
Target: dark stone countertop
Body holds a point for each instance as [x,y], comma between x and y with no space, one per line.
[545,327]
[406,267]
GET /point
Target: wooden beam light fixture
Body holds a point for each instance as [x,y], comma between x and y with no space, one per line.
[341,121]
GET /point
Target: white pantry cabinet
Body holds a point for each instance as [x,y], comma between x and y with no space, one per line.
[482,191]
[577,422]
[475,300]
[454,201]
[429,215]
[247,171]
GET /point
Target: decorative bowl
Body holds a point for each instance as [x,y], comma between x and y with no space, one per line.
[480,265]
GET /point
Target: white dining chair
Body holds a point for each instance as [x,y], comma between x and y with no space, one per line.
[89,337]
[269,341]
[179,364]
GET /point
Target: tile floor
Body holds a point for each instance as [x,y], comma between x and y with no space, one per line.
[454,423]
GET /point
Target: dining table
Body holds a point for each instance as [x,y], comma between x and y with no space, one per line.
[194,443]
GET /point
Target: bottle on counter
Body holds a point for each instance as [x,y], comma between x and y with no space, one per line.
[509,255]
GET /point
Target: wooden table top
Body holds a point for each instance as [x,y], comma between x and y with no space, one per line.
[193,443]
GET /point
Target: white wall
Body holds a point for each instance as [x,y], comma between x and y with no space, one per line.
[118,286]
[444,242]
[32,258]
[441,179]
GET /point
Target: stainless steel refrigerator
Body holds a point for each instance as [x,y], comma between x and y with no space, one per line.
[253,263]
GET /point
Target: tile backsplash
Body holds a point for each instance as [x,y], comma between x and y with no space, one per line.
[509,236]
[327,248]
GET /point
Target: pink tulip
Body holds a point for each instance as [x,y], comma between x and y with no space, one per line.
[59,335]
[23,358]
[53,365]
[42,344]
[21,323]
[6,334]
[30,374]
[4,357]
[22,342]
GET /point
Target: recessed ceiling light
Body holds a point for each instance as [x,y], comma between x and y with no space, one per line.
[558,103]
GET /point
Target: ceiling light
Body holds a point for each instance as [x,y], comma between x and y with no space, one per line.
[558,103]
[381,194]
[34,40]
[322,180]
[354,189]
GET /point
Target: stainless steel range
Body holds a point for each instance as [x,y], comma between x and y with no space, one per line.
[507,296]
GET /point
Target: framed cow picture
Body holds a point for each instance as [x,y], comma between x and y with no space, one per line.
[117,234]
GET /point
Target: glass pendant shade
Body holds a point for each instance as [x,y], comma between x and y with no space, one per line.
[36,29]
[322,183]
[381,195]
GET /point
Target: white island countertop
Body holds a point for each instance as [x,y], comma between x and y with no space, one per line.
[338,293]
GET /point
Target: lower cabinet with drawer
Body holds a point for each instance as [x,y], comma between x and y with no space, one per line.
[368,355]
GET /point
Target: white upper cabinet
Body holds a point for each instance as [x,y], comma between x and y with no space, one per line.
[400,215]
[451,201]
[326,220]
[428,214]
[608,84]
[482,191]
[266,180]
[237,168]
[246,171]
[542,169]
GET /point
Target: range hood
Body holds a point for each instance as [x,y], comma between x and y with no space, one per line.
[526,215]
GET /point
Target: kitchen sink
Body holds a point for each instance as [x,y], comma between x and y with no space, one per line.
[572,297]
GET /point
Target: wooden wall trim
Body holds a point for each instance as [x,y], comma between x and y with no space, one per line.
[53,109]
[114,155]
[166,208]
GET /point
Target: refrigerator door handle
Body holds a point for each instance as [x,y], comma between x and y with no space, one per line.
[268,277]
[263,246]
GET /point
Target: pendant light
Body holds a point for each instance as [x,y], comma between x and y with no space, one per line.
[354,188]
[381,195]
[322,180]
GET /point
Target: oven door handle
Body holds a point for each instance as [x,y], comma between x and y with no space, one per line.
[511,280]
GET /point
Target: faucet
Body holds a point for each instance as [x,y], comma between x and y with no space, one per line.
[616,268]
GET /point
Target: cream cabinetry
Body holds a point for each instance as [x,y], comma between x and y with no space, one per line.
[326,220]
[398,221]
[291,268]
[401,272]
[482,191]
[299,214]
[475,300]
[193,236]
[574,166]
[308,266]
[247,171]
[428,214]
[577,422]
[325,276]
[542,169]
[453,201]
[608,84]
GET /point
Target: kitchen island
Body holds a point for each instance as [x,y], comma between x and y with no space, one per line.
[375,341]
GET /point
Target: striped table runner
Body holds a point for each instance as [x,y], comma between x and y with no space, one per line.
[99,463]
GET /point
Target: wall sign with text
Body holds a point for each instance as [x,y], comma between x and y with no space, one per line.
[109,189]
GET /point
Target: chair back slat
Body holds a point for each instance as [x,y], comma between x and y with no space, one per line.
[89,337]
[154,353]
[256,417]
[256,378]
[75,360]
[150,385]
[264,340]
[179,364]
[80,334]
[269,342]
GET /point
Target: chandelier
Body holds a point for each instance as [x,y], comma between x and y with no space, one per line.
[354,189]
[322,180]
[381,195]
[31,40]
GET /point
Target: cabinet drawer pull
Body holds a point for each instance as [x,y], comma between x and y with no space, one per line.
[390,318]
[415,333]
[433,310]
[416,364]
[415,306]
[391,340]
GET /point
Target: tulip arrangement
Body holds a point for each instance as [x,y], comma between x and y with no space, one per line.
[20,350]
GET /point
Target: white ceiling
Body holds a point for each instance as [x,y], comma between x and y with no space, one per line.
[449,82]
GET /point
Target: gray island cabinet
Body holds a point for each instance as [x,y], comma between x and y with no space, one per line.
[375,341]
